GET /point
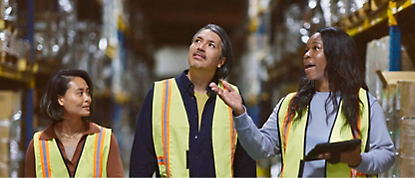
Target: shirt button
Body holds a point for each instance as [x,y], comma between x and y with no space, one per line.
[197,157]
[196,137]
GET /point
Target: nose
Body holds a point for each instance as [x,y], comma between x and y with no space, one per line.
[306,55]
[87,98]
[201,47]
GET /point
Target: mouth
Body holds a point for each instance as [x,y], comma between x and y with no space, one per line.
[86,107]
[199,55]
[308,67]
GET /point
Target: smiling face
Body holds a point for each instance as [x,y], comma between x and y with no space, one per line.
[314,59]
[205,51]
[77,101]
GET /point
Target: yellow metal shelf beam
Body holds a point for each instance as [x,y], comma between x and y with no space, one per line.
[378,18]
[14,74]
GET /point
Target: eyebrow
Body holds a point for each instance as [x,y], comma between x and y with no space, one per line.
[82,88]
[207,40]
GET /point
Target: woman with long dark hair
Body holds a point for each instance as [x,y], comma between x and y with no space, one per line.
[332,104]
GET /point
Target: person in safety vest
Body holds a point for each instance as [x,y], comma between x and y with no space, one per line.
[72,146]
[184,129]
[332,104]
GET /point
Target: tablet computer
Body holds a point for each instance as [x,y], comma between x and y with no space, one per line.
[335,148]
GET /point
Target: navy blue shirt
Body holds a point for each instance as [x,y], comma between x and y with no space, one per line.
[143,162]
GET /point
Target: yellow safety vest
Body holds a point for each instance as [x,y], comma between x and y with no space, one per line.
[92,163]
[171,132]
[292,136]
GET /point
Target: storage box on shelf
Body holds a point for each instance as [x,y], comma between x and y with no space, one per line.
[399,91]
[10,153]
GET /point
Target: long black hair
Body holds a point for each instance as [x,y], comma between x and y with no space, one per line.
[345,73]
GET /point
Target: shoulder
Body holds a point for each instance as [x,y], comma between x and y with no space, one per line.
[288,97]
[372,99]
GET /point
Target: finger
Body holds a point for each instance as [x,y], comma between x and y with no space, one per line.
[324,156]
[214,87]
[227,86]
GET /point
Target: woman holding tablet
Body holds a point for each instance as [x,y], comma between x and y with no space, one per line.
[332,104]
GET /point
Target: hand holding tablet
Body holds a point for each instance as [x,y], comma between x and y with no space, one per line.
[334,149]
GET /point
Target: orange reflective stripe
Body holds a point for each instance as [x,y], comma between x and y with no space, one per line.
[287,123]
[160,160]
[101,151]
[165,113]
[42,158]
[48,159]
[355,173]
[358,125]
[95,154]
[45,158]
[286,130]
[232,135]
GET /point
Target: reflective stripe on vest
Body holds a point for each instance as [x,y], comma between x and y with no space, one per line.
[292,137]
[171,132]
[92,163]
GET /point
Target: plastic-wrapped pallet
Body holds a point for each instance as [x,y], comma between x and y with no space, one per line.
[377,58]
[407,129]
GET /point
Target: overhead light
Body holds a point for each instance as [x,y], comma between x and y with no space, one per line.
[304,39]
[312,4]
[55,48]
[303,31]
[316,20]
[103,44]
[307,25]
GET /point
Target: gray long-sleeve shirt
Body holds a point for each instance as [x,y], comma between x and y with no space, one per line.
[265,142]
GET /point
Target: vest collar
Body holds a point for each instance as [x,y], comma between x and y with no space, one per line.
[49,133]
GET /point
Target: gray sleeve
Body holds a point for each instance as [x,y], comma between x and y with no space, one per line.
[262,143]
[381,155]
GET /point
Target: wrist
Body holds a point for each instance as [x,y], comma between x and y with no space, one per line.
[356,162]
[238,111]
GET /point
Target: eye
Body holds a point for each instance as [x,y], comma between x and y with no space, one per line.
[212,45]
[197,40]
[80,93]
[315,48]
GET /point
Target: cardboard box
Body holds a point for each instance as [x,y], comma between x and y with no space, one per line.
[407,90]
[4,148]
[9,104]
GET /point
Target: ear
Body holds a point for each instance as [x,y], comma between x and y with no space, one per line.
[60,100]
[221,61]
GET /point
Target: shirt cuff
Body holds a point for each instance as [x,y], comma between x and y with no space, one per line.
[363,166]
[241,121]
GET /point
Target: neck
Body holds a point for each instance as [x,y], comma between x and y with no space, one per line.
[200,79]
[70,126]
[322,86]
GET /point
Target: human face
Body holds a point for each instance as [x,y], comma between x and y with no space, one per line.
[205,51]
[76,102]
[314,60]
